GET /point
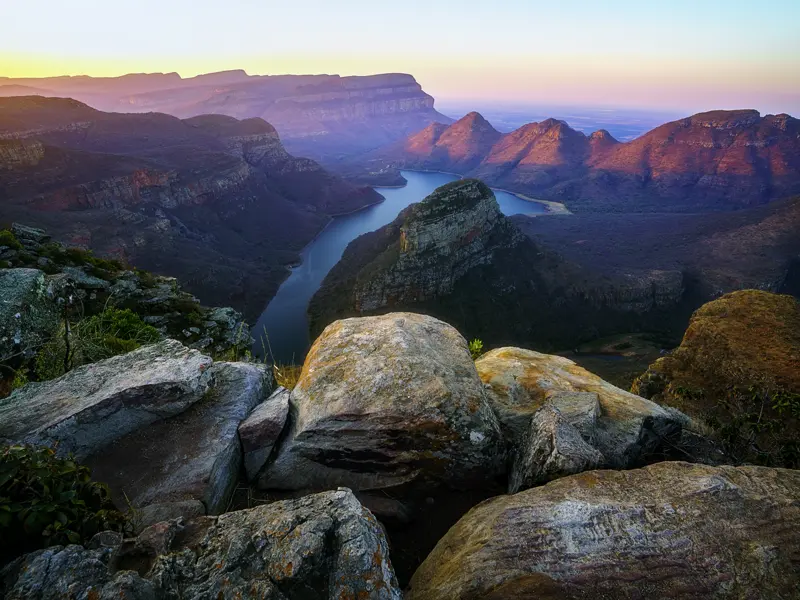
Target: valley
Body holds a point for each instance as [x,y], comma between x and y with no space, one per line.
[282,331]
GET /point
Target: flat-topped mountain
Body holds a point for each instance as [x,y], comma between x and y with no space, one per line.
[715,160]
[323,116]
[213,200]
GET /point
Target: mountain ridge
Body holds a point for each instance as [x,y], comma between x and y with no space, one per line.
[715,160]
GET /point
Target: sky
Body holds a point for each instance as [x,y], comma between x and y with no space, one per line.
[666,54]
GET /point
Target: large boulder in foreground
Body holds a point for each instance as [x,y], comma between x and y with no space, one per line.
[86,409]
[388,401]
[321,547]
[738,368]
[626,430]
[670,530]
[195,456]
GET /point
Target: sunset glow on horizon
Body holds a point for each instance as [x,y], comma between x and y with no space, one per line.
[688,55]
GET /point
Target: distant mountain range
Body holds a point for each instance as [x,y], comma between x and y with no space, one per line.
[212,200]
[321,116]
[714,160]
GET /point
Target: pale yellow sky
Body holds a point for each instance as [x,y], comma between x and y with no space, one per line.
[687,54]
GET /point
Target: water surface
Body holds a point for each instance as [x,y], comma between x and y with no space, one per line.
[284,321]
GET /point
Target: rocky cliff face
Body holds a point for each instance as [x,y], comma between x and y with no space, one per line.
[455,256]
[717,160]
[214,200]
[441,239]
[322,116]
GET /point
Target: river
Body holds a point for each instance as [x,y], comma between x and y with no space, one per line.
[284,320]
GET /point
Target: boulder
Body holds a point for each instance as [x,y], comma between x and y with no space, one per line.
[84,280]
[29,312]
[320,547]
[194,456]
[553,448]
[670,530]
[90,407]
[737,373]
[388,401]
[627,428]
[259,432]
[29,234]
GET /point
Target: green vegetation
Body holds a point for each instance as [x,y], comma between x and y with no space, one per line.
[46,500]
[476,348]
[8,239]
[95,338]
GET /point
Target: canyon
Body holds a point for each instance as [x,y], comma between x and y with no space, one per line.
[556,281]
[215,201]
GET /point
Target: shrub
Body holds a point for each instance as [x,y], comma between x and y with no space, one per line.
[10,240]
[46,500]
[102,336]
[476,348]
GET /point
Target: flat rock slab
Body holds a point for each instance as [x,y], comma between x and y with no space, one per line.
[670,530]
[193,456]
[388,401]
[321,547]
[627,428]
[88,408]
[259,432]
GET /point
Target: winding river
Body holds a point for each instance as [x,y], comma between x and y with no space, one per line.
[284,321]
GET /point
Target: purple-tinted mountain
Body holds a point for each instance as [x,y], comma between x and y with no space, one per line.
[715,160]
[323,116]
[215,201]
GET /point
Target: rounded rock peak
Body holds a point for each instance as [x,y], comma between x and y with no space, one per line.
[602,135]
[451,198]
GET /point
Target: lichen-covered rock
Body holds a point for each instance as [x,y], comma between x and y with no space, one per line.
[553,448]
[320,547]
[628,428]
[738,364]
[259,432]
[385,401]
[670,530]
[195,455]
[29,312]
[88,408]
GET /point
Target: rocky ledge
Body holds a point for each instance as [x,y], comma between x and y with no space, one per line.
[41,279]
[392,420]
